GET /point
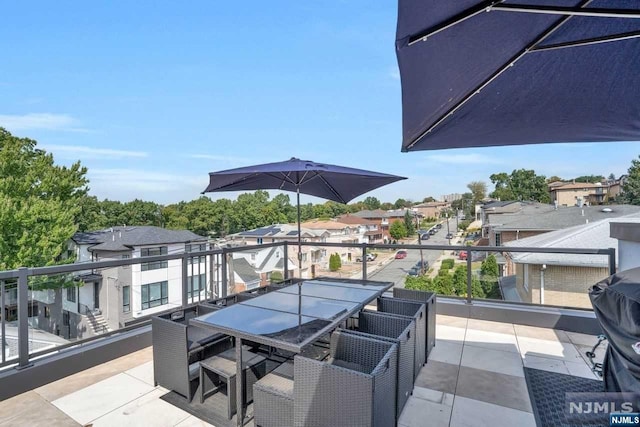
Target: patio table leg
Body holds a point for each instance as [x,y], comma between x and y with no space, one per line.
[239,407]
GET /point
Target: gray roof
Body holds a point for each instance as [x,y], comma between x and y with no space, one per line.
[243,269]
[125,238]
[545,217]
[595,235]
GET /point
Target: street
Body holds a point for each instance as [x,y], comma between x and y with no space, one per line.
[396,271]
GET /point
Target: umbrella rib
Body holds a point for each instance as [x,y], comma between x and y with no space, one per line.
[570,11]
[333,190]
[542,37]
[455,20]
[590,41]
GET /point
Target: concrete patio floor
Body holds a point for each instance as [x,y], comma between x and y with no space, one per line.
[474,377]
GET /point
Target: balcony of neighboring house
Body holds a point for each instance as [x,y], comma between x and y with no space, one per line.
[476,374]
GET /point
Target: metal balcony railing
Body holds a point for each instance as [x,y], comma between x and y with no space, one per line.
[217,280]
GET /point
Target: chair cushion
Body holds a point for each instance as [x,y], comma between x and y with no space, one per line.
[277,385]
[200,337]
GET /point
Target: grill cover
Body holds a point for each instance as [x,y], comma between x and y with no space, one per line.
[616,302]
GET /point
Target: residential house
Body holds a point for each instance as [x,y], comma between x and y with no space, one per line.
[578,193]
[563,279]
[369,230]
[384,219]
[339,232]
[534,218]
[310,255]
[253,268]
[497,207]
[431,209]
[108,298]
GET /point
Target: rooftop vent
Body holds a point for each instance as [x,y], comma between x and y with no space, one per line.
[606,210]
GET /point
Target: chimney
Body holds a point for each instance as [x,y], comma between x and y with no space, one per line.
[628,235]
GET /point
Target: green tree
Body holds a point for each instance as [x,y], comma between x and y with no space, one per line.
[402,203]
[521,184]
[409,223]
[386,206]
[335,263]
[631,187]
[460,280]
[589,178]
[428,199]
[554,178]
[398,230]
[612,176]
[40,204]
[371,203]
[489,274]
[478,190]
[447,263]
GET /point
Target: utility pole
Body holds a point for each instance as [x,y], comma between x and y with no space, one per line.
[448,232]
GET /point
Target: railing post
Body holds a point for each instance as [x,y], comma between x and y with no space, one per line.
[210,281]
[612,261]
[223,271]
[185,280]
[3,313]
[23,318]
[285,274]
[364,261]
[469,276]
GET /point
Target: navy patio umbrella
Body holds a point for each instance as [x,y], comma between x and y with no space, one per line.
[510,72]
[338,183]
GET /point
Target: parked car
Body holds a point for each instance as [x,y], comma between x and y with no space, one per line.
[370,257]
[425,262]
[433,231]
[425,236]
[414,271]
[439,226]
[401,254]
[449,236]
[462,255]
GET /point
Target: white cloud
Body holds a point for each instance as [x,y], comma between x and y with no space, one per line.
[47,121]
[83,152]
[464,159]
[128,184]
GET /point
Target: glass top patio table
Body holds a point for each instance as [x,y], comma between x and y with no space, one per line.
[293,317]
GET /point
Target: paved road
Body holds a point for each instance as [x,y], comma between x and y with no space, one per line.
[396,271]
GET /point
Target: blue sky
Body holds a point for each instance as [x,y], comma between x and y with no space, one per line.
[151,96]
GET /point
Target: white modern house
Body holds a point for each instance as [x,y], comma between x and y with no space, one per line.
[110,297]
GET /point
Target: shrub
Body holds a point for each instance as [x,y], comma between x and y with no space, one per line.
[448,263]
[276,276]
[335,263]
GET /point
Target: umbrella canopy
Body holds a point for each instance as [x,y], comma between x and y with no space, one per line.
[337,183]
[489,73]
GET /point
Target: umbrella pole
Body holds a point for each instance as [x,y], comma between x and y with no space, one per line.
[299,258]
[299,233]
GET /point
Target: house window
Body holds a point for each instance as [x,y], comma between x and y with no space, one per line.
[126,299]
[525,282]
[196,284]
[259,240]
[304,257]
[71,294]
[47,312]
[155,294]
[126,256]
[498,239]
[196,248]
[65,318]
[160,250]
